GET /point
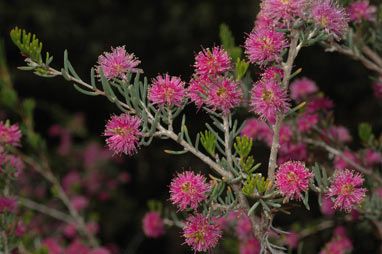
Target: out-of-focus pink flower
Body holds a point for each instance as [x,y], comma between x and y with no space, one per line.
[123,134]
[124,177]
[327,206]
[200,234]
[11,164]
[379,192]
[117,63]
[70,180]
[267,98]
[250,246]
[53,246]
[244,227]
[94,153]
[291,151]
[340,163]
[256,129]
[264,45]
[153,225]
[212,62]
[76,247]
[188,189]
[317,104]
[305,122]
[70,230]
[100,251]
[340,134]
[332,18]
[292,178]
[300,89]
[361,10]
[79,202]
[345,188]
[377,88]
[167,90]
[291,239]
[339,244]
[10,134]
[372,157]
[65,143]
[7,204]
[92,227]
[20,229]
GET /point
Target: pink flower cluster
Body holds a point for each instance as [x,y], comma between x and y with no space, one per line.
[209,86]
[339,244]
[76,247]
[153,225]
[292,178]
[361,10]
[123,134]
[200,234]
[167,90]
[9,134]
[345,189]
[377,87]
[117,63]
[300,89]
[188,189]
[286,10]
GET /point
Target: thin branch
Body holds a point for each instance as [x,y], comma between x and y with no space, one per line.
[339,153]
[45,210]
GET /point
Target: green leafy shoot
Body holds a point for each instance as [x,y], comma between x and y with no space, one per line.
[365,132]
[243,146]
[229,42]
[29,46]
[255,183]
[208,141]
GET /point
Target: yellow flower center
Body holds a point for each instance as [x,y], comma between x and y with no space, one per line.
[267,95]
[187,187]
[324,21]
[221,91]
[292,176]
[347,189]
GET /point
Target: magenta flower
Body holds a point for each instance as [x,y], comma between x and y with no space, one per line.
[256,129]
[117,63]
[284,9]
[273,73]
[76,247]
[167,90]
[224,95]
[244,227]
[305,122]
[291,240]
[340,134]
[53,246]
[11,164]
[377,88]
[211,63]
[198,90]
[291,151]
[188,189]
[339,244]
[250,246]
[153,225]
[268,98]
[340,163]
[123,132]
[200,234]
[317,104]
[361,10]
[300,89]
[264,21]
[327,207]
[10,134]
[264,45]
[344,187]
[7,204]
[292,178]
[79,202]
[332,18]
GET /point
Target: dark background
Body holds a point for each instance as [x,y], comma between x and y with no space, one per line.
[165,35]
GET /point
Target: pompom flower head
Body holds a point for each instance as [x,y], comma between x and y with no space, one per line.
[267,99]
[292,178]
[300,89]
[188,189]
[377,88]
[361,10]
[345,188]
[153,225]
[332,18]
[9,134]
[123,132]
[200,234]
[117,63]
[264,45]
[224,94]
[167,90]
[284,9]
[212,62]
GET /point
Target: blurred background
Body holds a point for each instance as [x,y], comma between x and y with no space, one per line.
[165,35]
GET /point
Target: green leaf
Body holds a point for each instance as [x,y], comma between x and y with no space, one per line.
[365,132]
[208,140]
[241,68]
[228,42]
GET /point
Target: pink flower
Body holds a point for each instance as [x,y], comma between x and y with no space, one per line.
[292,151]
[52,246]
[264,45]
[200,234]
[244,227]
[344,187]
[327,206]
[11,164]
[265,21]
[117,63]
[93,154]
[167,90]
[281,9]
[210,63]
[317,104]
[300,89]
[340,134]
[76,247]
[70,180]
[305,122]
[267,99]
[372,157]
[292,178]
[273,74]
[340,163]
[7,204]
[377,87]
[92,227]
[153,225]
[256,129]
[250,246]
[79,202]
[123,132]
[340,243]
[188,189]
[292,240]
[198,90]
[70,230]
[361,10]
[10,134]
[224,95]
[332,18]
[100,251]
